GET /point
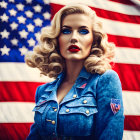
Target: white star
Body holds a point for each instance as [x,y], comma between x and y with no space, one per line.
[29,14]
[38,22]
[12,12]
[30,28]
[23,34]
[23,50]
[14,26]
[14,41]
[5,34]
[31,42]
[20,7]
[4,17]
[11,0]
[37,35]
[29,1]
[3,4]
[47,15]
[37,8]
[21,19]
[5,50]
[46,1]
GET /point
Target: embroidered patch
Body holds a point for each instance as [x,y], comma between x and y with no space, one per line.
[84,85]
[115,105]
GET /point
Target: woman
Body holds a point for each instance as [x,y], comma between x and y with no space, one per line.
[85,100]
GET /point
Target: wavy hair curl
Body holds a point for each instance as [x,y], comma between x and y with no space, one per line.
[46,55]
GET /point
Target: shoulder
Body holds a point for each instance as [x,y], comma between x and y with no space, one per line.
[109,75]
[105,77]
[109,84]
[47,86]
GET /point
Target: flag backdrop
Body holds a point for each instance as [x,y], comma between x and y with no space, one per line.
[20,25]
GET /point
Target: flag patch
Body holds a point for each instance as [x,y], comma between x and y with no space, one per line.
[115,105]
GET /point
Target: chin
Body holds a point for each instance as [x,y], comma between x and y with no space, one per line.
[75,59]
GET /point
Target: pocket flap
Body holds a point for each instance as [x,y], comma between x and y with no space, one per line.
[82,101]
[40,106]
[86,110]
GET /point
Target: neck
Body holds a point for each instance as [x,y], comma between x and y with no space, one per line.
[73,69]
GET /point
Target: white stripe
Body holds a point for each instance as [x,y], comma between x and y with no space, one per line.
[103,4]
[131,135]
[127,55]
[22,111]
[18,112]
[131,101]
[11,112]
[121,28]
[21,72]
[137,2]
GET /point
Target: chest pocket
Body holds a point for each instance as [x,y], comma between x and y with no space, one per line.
[85,105]
[40,107]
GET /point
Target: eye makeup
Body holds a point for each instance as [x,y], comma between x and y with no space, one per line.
[82,30]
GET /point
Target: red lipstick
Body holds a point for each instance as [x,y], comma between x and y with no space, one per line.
[74,48]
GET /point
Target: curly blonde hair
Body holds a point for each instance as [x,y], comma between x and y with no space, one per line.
[46,55]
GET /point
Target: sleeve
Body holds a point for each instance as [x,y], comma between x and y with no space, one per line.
[109,121]
[34,134]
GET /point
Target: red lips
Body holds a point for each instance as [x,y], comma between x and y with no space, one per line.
[74,48]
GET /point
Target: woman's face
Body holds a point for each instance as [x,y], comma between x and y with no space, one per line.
[76,37]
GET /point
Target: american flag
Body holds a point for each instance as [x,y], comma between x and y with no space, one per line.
[20,25]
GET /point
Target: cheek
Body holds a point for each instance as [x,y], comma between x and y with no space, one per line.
[88,42]
[62,40]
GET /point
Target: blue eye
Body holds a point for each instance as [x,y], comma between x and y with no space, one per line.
[83,31]
[66,31]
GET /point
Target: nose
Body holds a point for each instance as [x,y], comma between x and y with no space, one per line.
[74,38]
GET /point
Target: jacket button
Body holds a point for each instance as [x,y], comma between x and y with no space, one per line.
[67,110]
[53,122]
[87,111]
[85,101]
[74,96]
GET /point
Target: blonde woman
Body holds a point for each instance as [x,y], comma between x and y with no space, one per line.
[85,100]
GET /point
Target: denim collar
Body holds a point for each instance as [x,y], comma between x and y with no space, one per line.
[83,75]
[52,87]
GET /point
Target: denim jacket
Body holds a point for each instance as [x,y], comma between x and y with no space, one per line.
[91,110]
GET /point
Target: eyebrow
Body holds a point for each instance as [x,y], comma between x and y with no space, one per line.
[65,26]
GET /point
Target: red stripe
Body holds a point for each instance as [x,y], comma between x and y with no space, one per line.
[25,91]
[132,123]
[117,16]
[129,2]
[129,75]
[122,41]
[14,131]
[18,91]
[104,14]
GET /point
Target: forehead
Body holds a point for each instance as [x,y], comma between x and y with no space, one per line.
[74,20]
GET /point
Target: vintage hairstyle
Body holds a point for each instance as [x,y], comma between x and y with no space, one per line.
[46,55]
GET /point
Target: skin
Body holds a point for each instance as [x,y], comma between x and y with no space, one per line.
[76,30]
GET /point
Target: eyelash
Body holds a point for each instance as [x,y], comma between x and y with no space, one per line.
[66,31]
[81,31]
